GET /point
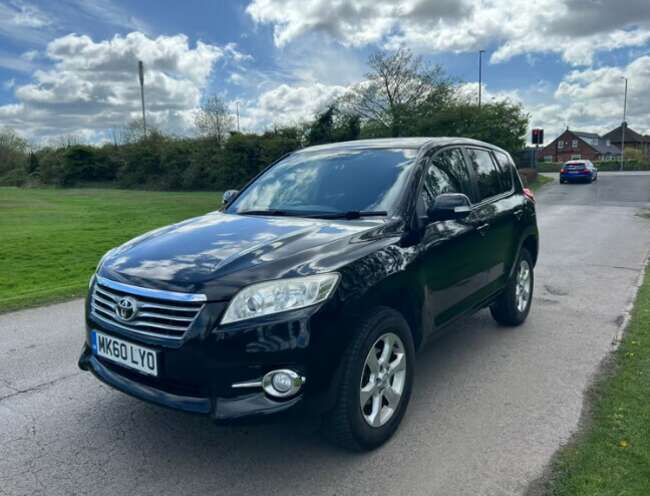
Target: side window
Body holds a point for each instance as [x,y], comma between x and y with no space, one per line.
[487,175]
[506,170]
[446,173]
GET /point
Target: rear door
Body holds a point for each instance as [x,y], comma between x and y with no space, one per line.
[494,217]
[514,205]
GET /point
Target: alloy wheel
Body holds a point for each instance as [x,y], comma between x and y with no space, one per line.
[383,380]
[523,287]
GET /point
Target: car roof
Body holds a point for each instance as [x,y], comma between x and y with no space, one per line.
[580,161]
[414,143]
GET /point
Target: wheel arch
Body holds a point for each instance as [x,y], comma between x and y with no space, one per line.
[531,244]
[398,297]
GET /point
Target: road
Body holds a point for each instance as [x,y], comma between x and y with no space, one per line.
[490,405]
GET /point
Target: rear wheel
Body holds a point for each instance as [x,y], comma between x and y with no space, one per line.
[562,181]
[512,306]
[376,381]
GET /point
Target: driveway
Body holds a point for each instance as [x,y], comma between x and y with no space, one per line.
[490,404]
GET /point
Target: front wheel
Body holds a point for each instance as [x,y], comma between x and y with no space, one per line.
[376,382]
[512,306]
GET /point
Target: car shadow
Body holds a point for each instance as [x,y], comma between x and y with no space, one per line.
[178,445]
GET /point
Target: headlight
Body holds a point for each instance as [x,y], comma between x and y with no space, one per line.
[268,298]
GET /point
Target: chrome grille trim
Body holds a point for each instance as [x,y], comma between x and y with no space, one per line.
[152,293]
[159,314]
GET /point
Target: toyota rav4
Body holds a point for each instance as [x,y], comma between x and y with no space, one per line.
[313,287]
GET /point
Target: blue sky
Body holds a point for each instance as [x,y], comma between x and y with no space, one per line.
[68,67]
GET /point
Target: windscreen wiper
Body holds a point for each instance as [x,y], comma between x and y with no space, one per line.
[270,212]
[352,214]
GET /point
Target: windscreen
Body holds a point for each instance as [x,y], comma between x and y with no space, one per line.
[331,181]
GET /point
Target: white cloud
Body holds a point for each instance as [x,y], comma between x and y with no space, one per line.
[93,86]
[592,100]
[575,29]
[469,92]
[9,61]
[286,105]
[21,21]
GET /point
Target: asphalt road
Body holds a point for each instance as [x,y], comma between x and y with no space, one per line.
[490,405]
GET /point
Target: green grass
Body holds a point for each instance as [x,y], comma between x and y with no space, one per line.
[52,239]
[611,456]
[539,182]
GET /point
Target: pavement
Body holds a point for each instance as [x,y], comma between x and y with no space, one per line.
[489,408]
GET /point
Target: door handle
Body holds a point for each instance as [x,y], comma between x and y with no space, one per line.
[518,213]
[483,228]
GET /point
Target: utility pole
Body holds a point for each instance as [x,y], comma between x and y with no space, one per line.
[141,73]
[480,76]
[237,115]
[624,125]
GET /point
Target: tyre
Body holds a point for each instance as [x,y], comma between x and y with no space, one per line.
[562,181]
[376,381]
[512,306]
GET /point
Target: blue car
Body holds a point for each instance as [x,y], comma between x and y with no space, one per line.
[578,171]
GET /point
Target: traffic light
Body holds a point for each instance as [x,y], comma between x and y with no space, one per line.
[538,137]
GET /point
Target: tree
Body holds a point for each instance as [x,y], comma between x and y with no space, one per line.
[214,120]
[399,85]
[322,129]
[501,123]
[13,158]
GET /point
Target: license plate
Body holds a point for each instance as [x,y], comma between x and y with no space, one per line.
[130,355]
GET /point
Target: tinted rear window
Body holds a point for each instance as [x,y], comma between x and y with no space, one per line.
[487,174]
[506,170]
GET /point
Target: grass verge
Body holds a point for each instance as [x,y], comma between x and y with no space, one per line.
[52,239]
[611,454]
[539,182]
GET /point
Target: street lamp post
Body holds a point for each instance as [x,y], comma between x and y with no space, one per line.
[480,76]
[624,125]
[141,74]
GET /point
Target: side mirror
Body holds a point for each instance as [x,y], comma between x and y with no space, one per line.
[229,195]
[448,206]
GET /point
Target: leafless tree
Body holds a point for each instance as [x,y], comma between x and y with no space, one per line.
[64,140]
[398,85]
[214,120]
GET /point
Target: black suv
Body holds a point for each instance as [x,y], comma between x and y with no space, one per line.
[316,283]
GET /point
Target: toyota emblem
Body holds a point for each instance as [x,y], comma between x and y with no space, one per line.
[126,308]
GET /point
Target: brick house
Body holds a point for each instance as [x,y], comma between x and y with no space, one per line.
[572,145]
[633,140]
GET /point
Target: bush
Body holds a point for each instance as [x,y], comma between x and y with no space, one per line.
[602,165]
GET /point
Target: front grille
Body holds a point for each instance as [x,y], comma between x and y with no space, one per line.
[158,313]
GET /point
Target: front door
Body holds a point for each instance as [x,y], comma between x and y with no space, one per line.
[448,249]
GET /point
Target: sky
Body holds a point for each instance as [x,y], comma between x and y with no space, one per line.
[69,67]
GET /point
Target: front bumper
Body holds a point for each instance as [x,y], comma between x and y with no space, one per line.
[196,374]
[251,404]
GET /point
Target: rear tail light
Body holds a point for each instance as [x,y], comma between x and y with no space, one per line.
[528,193]
[562,171]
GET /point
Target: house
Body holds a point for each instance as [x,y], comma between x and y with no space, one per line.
[571,145]
[633,140]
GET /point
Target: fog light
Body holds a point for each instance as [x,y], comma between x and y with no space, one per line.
[282,383]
